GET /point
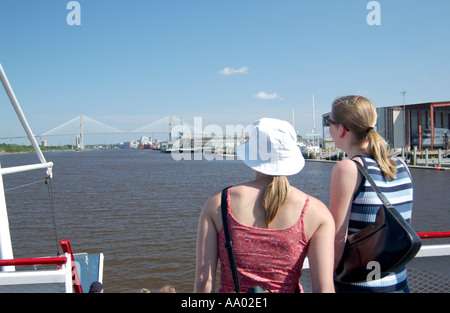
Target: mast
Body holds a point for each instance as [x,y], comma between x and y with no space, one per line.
[314,115]
[293,119]
[170,128]
[313,133]
[6,251]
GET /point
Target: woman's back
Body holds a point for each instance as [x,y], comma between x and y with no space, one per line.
[270,256]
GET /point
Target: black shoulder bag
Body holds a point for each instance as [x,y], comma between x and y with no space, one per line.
[390,241]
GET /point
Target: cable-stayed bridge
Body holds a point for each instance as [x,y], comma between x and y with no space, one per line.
[83,125]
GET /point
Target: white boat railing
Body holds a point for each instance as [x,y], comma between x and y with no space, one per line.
[434,250]
[5,237]
[25,168]
[50,280]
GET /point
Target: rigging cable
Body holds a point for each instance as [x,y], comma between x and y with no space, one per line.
[48,182]
[25,185]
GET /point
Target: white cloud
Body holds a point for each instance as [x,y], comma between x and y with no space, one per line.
[265,96]
[231,71]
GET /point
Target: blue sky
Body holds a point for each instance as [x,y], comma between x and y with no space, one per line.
[131,63]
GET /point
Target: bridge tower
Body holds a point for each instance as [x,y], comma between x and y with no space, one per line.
[80,137]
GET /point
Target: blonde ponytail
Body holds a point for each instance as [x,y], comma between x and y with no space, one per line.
[274,196]
[358,115]
[377,148]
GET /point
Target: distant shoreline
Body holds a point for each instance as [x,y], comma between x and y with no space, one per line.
[16,149]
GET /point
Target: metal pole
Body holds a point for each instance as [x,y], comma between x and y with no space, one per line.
[25,168]
[314,117]
[170,129]
[404,118]
[6,251]
[415,156]
[20,114]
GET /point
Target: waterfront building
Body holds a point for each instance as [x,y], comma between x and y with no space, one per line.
[424,125]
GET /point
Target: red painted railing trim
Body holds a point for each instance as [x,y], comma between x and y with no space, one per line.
[66,247]
[34,261]
[430,235]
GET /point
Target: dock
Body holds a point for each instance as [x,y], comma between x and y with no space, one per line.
[426,159]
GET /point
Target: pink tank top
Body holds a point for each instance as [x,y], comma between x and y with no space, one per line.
[269,258]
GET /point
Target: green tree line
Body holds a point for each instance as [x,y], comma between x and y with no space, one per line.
[13,148]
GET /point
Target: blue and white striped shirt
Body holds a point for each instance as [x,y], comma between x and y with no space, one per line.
[366,203]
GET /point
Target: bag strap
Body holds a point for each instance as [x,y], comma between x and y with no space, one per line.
[228,241]
[372,183]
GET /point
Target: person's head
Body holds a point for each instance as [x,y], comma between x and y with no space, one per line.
[96,287]
[168,289]
[144,290]
[357,115]
[272,150]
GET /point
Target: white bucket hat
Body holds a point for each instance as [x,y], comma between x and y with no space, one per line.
[272,148]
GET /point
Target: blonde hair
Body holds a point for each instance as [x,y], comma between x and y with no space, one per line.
[358,115]
[274,196]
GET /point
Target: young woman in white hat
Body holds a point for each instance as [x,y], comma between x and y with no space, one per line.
[353,203]
[274,226]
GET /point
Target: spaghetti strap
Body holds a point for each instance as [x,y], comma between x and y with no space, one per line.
[304,207]
[301,219]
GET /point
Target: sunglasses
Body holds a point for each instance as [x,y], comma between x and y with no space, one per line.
[329,121]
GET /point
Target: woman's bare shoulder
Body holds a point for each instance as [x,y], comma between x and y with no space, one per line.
[346,166]
[316,215]
[315,207]
[212,206]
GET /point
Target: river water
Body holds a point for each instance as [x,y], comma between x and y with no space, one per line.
[140,208]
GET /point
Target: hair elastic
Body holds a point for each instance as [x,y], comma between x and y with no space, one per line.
[369,129]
